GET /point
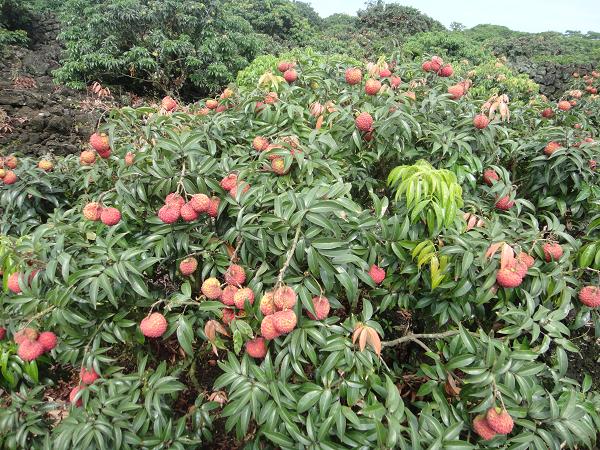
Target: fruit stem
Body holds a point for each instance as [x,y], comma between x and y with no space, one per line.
[289,257]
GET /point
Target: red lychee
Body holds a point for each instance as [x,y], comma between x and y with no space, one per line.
[11,162]
[188,213]
[271,98]
[200,202]
[377,274]
[228,294]
[129,158]
[73,395]
[321,306]
[30,350]
[100,142]
[228,316]
[45,165]
[154,325]
[267,306]
[92,211]
[242,186]
[284,297]
[211,288]
[290,75]
[499,420]
[10,177]
[26,334]
[482,428]
[278,166]
[372,86]
[364,121]
[481,121]
[547,113]
[110,216]
[48,340]
[590,296]
[13,282]
[213,208]
[87,158]
[212,104]
[169,214]
[436,63]
[168,104]
[260,143]
[241,296]
[395,81]
[235,275]
[384,73]
[257,347]
[526,258]
[88,376]
[188,266]
[267,328]
[427,66]
[284,321]
[508,278]
[174,200]
[490,176]
[456,91]
[552,251]
[228,182]
[504,203]
[282,66]
[446,71]
[551,148]
[2,333]
[564,105]
[353,76]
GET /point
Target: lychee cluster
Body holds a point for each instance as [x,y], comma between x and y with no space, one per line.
[512,275]
[277,307]
[32,344]
[495,421]
[552,251]
[100,143]
[176,207]
[7,176]
[86,377]
[437,66]
[231,184]
[94,212]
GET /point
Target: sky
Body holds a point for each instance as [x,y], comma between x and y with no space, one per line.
[520,15]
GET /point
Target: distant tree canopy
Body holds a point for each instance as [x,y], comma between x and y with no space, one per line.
[15,19]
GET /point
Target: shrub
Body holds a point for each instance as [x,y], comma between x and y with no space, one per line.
[15,20]
[455,46]
[403,238]
[168,46]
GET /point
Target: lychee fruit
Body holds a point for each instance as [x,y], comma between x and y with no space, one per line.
[490,176]
[169,104]
[235,275]
[88,376]
[11,162]
[427,66]
[174,200]
[188,266]
[169,214]
[372,86]
[353,76]
[110,216]
[278,166]
[271,98]
[211,288]
[228,315]
[92,211]
[13,282]
[260,143]
[395,81]
[284,321]
[267,328]
[257,347]
[499,420]
[267,306]
[456,91]
[282,66]
[154,325]
[233,192]
[129,158]
[188,213]
[229,181]
[241,296]
[213,208]
[45,165]
[504,203]
[48,340]
[508,278]
[284,297]
[73,395]
[590,296]
[200,202]
[436,63]
[87,158]
[364,121]
[552,251]
[30,350]
[481,427]
[481,121]
[321,306]
[228,294]
[212,104]
[564,105]
[547,113]
[377,274]
[526,258]
[290,75]
[446,71]
[100,142]
[384,73]
[10,177]
[551,148]
[2,333]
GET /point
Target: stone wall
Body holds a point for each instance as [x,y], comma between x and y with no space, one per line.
[553,78]
[45,118]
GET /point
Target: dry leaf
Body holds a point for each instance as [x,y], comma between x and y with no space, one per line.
[492,249]
[507,256]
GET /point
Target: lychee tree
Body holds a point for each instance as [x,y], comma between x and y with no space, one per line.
[311,264]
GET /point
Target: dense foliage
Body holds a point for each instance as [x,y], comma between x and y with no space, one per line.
[15,19]
[427,249]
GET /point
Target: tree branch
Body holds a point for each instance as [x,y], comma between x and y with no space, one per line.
[417,338]
[289,257]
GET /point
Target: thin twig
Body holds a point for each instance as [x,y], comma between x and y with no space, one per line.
[236,250]
[40,314]
[289,257]
[416,337]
